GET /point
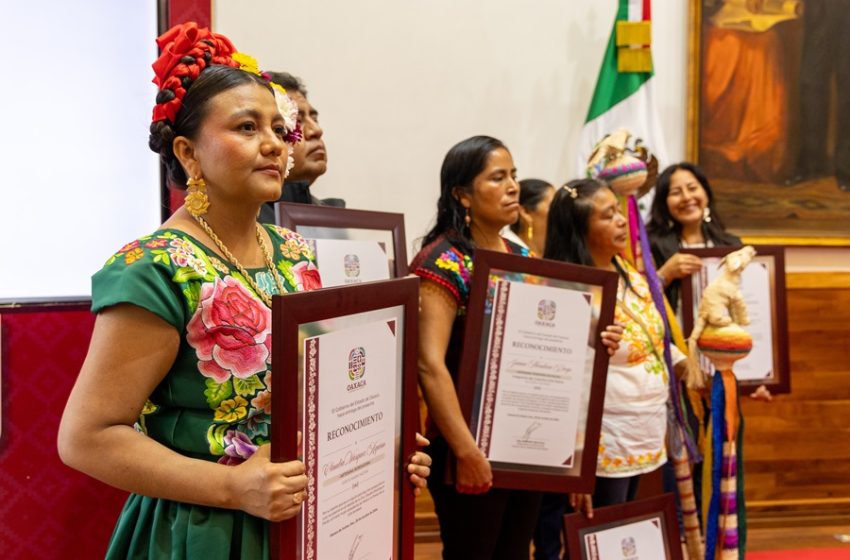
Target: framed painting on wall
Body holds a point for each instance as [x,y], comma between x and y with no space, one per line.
[769,116]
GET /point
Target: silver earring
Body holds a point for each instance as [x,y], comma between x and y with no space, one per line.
[706,215]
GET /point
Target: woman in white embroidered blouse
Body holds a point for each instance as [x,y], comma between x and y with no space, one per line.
[586,227]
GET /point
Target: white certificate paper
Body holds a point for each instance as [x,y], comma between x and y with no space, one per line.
[533,376]
[343,262]
[350,386]
[642,540]
[756,289]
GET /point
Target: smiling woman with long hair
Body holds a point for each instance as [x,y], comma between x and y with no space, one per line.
[683,215]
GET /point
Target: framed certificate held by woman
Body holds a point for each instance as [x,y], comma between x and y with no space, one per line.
[763,287]
[532,376]
[345,400]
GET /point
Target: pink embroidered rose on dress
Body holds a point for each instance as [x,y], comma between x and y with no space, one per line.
[230,331]
[307,276]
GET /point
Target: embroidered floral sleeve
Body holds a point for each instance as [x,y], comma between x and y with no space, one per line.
[448,266]
[298,264]
[219,388]
[154,273]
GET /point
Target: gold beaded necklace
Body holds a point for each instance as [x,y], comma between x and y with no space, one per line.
[263,295]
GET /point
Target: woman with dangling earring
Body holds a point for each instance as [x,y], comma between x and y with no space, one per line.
[479,196]
[173,401]
[529,230]
[683,216]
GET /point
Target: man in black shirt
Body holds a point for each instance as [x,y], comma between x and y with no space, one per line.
[310,155]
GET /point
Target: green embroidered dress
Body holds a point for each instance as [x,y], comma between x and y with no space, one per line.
[215,402]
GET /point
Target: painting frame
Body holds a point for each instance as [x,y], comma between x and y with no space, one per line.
[751,235]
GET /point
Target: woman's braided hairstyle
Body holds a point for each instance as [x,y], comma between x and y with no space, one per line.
[195,66]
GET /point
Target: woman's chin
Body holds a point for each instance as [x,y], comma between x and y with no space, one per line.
[689,219]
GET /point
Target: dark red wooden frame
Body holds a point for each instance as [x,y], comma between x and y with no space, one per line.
[291,311]
[781,363]
[483,263]
[292,216]
[576,525]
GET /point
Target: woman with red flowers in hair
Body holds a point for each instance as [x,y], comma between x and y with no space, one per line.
[173,400]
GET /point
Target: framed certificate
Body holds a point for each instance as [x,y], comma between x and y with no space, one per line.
[330,222]
[344,364]
[533,369]
[634,530]
[343,262]
[763,286]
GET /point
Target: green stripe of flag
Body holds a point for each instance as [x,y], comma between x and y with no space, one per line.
[613,86]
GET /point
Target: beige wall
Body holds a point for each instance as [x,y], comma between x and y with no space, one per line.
[398,82]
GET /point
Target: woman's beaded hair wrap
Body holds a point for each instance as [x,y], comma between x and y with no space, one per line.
[186,51]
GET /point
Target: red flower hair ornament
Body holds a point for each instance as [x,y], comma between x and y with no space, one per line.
[186,51]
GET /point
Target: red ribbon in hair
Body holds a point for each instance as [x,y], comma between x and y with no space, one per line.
[186,40]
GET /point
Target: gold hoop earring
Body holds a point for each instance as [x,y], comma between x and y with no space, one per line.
[530,232]
[706,215]
[197,203]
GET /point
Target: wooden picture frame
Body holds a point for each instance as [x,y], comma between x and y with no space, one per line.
[488,339]
[751,171]
[299,322]
[613,523]
[294,216]
[772,258]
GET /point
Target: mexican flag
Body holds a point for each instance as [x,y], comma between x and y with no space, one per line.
[623,97]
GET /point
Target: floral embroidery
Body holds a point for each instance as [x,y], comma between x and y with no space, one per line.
[266,282]
[180,250]
[257,426]
[156,243]
[306,276]
[295,244]
[460,266]
[129,247]
[232,410]
[303,275]
[198,265]
[230,331]
[635,341]
[630,462]
[263,400]
[445,264]
[227,334]
[290,249]
[133,255]
[237,448]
